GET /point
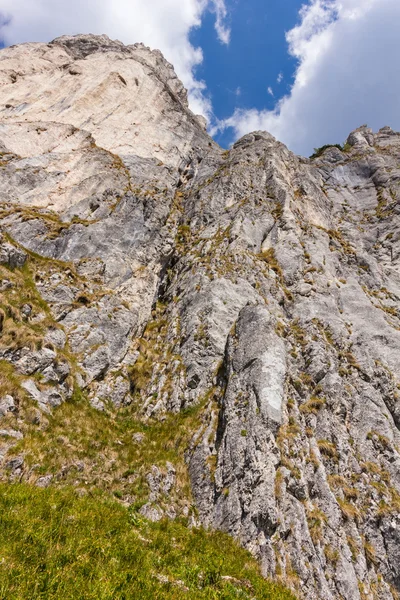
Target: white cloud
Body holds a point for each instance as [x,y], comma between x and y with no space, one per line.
[221,28]
[347,75]
[270,91]
[279,79]
[163,24]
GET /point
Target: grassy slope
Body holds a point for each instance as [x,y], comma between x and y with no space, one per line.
[57,545]
[77,542]
[102,441]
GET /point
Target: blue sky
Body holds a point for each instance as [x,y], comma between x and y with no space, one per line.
[238,75]
[338,59]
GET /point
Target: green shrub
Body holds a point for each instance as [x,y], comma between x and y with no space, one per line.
[319,151]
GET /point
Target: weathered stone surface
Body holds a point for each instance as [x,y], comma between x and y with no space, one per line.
[15,464]
[12,433]
[31,362]
[259,285]
[7,404]
[93,87]
[46,399]
[160,485]
[116,390]
[11,256]
[44,482]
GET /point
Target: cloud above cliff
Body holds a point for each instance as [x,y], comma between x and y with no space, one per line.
[344,71]
[162,24]
[347,75]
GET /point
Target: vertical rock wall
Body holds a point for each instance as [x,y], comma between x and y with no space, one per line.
[258,285]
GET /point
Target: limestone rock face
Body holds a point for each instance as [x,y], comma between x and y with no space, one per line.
[128,97]
[259,286]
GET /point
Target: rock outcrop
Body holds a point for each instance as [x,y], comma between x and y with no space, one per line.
[140,263]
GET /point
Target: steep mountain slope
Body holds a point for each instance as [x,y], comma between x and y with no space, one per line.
[236,312]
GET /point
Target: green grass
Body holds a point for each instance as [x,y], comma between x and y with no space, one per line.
[102,442]
[17,332]
[57,545]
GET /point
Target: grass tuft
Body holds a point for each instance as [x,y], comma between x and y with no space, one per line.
[59,546]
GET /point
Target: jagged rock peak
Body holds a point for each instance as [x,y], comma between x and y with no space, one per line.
[83,45]
[128,97]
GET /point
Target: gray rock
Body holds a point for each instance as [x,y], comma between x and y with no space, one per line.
[46,399]
[31,362]
[7,404]
[160,483]
[151,512]
[44,482]
[97,404]
[11,433]
[260,285]
[56,372]
[96,364]
[115,390]
[15,464]
[32,390]
[56,337]
[5,284]
[11,256]
[26,310]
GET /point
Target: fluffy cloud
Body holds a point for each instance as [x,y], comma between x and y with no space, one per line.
[347,52]
[163,24]
[222,30]
[347,75]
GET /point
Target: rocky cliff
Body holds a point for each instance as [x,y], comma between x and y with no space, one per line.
[173,312]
